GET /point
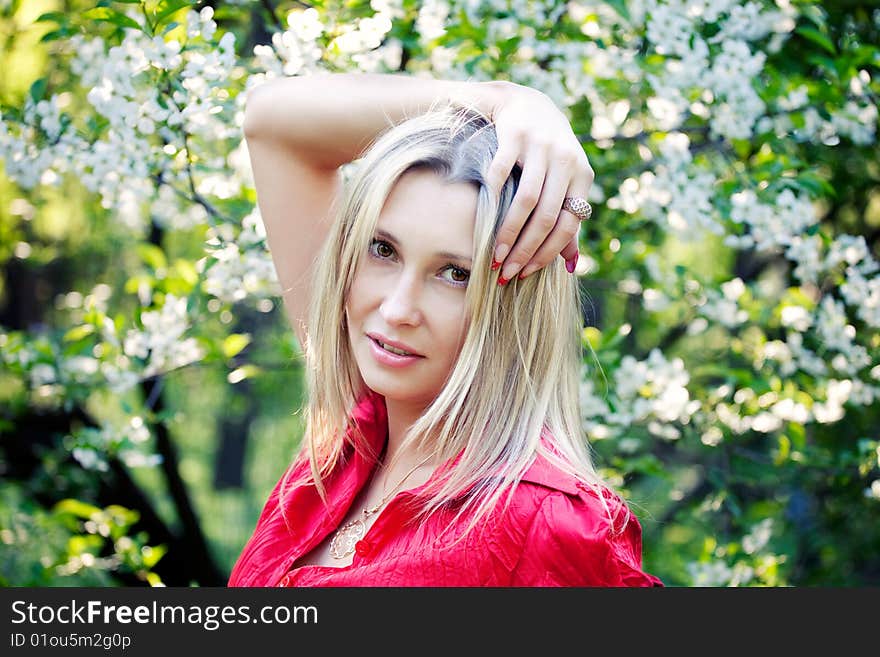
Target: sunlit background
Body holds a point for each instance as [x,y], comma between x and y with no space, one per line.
[150,385]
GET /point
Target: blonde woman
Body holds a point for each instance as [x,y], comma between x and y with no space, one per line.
[431,286]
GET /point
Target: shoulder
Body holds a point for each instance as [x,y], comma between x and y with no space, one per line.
[565,504]
[578,534]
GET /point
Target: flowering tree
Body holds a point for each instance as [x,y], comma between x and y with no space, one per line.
[730,268]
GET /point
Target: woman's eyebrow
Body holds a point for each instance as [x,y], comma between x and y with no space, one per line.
[384,234]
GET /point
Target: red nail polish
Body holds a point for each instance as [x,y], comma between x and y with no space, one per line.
[502,280]
[571,264]
[495,264]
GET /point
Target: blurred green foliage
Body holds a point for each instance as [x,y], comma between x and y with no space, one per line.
[159,479]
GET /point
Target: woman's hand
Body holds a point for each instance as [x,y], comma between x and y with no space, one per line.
[535,134]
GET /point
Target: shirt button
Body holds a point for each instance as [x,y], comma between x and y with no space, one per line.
[363,548]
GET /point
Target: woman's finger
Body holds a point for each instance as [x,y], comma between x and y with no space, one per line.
[499,170]
[542,222]
[563,240]
[559,238]
[572,248]
[528,194]
[502,164]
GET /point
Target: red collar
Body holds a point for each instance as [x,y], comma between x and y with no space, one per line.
[371,415]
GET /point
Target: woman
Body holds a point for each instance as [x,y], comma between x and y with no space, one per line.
[443,444]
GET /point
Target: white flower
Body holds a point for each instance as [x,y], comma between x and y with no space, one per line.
[80,368]
[90,459]
[655,300]
[713,573]
[777,225]
[832,325]
[837,394]
[858,122]
[766,422]
[796,317]
[722,307]
[655,388]
[790,410]
[201,24]
[432,19]
[759,536]
[41,374]
[119,379]
[805,250]
[863,294]
[592,406]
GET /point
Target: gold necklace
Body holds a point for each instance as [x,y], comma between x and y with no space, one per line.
[343,542]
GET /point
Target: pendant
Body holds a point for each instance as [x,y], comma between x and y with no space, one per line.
[342,544]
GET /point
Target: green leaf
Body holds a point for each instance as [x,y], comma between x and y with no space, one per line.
[818,38]
[816,185]
[153,579]
[55,16]
[234,343]
[133,284]
[168,7]
[783,451]
[815,14]
[38,90]
[152,255]
[77,508]
[620,7]
[151,555]
[78,333]
[55,35]
[111,16]
[243,372]
[186,271]
[121,516]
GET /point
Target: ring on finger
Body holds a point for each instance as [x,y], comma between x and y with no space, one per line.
[578,206]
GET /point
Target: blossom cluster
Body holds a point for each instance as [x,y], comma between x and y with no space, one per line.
[678,194]
[90,447]
[160,343]
[652,393]
[239,267]
[162,107]
[149,119]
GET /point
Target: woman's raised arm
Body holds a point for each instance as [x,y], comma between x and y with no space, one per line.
[300,130]
[330,117]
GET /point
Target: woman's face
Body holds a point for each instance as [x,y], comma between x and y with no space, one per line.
[408,288]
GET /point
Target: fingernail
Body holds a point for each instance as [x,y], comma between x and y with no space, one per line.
[500,252]
[510,270]
[495,264]
[525,272]
[502,280]
[571,264]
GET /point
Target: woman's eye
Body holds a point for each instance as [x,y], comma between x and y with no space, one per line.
[459,276]
[383,245]
[384,250]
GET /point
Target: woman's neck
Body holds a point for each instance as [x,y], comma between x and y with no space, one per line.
[400,418]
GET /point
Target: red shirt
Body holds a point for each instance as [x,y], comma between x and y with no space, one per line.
[554,533]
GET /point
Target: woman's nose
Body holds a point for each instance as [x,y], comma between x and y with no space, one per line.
[402,303]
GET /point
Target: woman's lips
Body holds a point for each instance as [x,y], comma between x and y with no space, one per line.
[385,357]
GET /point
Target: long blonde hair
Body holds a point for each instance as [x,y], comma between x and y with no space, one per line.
[517,376]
